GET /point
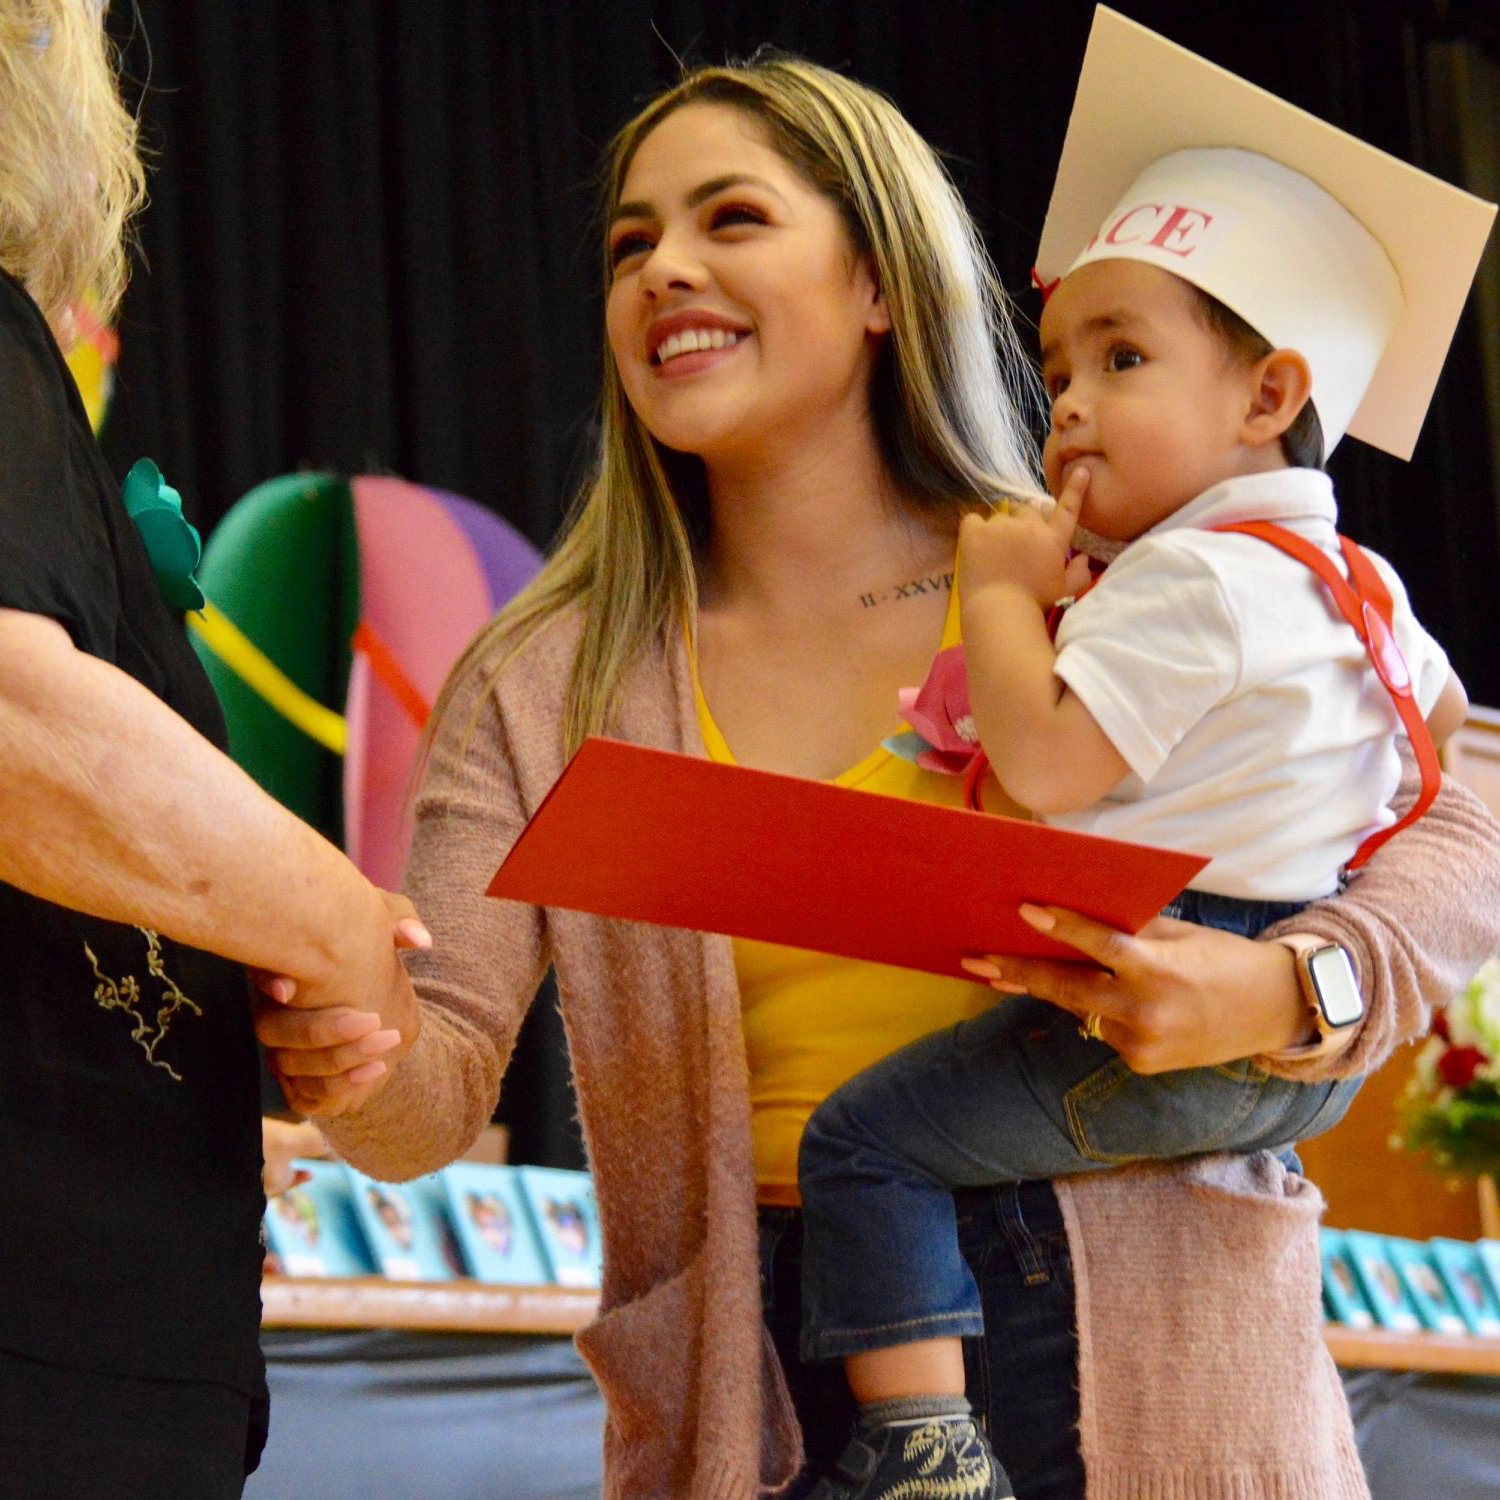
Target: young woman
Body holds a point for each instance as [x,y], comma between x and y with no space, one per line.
[802,398]
[134,851]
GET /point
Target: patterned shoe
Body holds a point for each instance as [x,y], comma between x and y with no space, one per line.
[937,1458]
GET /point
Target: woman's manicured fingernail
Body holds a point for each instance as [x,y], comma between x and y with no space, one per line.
[1007,988]
[360,1023]
[413,932]
[1038,917]
[365,1072]
[282,990]
[378,1042]
[982,968]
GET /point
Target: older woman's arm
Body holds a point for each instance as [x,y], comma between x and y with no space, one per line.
[1420,919]
[114,805]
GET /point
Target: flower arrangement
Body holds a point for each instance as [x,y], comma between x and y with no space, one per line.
[1450,1110]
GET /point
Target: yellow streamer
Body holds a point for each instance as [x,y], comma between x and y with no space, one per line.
[248,662]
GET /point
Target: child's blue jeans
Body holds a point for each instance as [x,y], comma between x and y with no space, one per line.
[1013,1095]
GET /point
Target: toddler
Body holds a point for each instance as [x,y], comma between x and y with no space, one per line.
[1205,695]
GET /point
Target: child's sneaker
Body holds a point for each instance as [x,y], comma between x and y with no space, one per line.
[931,1458]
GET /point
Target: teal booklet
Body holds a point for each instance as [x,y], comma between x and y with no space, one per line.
[1342,1294]
[566,1219]
[1382,1285]
[1461,1268]
[311,1229]
[1489,1258]
[406,1226]
[1418,1270]
[487,1207]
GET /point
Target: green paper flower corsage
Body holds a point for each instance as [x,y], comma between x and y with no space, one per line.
[171,540]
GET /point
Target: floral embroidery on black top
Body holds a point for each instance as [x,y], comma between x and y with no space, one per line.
[125,994]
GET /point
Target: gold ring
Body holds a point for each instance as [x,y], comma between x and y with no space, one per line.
[1092,1028]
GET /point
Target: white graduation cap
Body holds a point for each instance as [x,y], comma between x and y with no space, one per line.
[1320,242]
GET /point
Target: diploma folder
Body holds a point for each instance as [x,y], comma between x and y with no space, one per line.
[654,836]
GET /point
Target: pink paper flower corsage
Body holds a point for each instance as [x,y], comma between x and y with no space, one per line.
[943,736]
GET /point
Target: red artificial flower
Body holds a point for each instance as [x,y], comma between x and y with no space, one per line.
[1458,1065]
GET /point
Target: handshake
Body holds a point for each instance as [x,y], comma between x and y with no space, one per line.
[333,1034]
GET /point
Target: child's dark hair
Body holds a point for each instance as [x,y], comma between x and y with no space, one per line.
[1302,442]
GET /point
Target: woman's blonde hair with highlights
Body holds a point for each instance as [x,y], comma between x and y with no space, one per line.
[70,176]
[947,394]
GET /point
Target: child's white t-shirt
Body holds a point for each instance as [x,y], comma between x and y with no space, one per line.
[1254,727]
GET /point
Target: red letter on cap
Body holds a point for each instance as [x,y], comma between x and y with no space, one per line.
[1184,223]
[1113,237]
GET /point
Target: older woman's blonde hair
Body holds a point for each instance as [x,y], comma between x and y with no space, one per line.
[947,392]
[70,177]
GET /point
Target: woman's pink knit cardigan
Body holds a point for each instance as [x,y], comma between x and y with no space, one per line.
[1202,1372]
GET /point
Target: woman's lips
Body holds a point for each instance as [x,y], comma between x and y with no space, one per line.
[695,341]
[689,324]
[691,362]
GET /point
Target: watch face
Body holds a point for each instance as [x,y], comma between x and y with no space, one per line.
[1333,979]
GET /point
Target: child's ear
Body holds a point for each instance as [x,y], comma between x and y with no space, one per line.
[1280,386]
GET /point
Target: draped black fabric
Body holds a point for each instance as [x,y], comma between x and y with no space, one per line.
[372,243]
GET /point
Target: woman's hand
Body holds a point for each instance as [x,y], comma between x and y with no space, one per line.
[1176,995]
[328,1055]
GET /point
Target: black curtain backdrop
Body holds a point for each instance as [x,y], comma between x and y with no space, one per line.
[372,242]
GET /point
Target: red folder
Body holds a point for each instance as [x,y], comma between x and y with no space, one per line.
[653,836]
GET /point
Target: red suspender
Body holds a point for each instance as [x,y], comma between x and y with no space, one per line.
[973,780]
[1367,607]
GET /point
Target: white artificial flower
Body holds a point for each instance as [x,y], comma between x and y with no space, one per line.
[1474,1015]
[1424,1069]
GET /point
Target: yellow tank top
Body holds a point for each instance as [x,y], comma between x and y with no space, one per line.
[813,1020]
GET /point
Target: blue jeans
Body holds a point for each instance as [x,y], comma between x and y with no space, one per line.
[1022,1376]
[1015,1094]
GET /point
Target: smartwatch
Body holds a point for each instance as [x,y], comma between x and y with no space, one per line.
[1328,984]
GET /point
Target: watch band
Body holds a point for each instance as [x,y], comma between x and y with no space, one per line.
[1330,1038]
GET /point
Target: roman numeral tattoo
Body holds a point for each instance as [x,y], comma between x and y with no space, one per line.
[934,583]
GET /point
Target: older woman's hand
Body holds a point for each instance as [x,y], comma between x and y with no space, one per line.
[330,1056]
[1176,995]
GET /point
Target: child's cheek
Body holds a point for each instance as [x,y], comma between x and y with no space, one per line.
[1090,516]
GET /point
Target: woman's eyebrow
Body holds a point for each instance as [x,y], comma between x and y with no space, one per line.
[641,209]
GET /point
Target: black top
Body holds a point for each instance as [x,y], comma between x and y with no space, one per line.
[130,1198]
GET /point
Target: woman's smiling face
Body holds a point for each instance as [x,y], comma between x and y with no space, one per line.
[739,314]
